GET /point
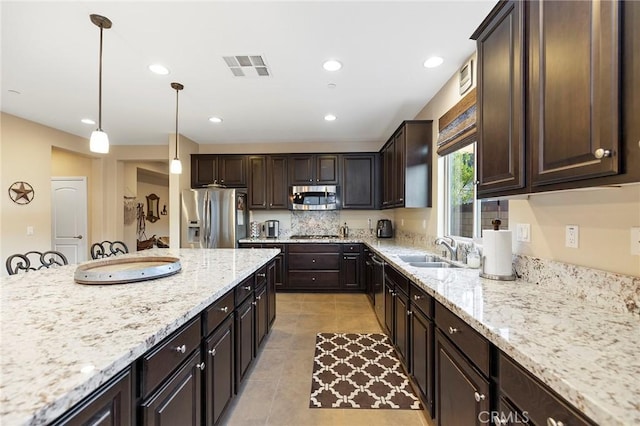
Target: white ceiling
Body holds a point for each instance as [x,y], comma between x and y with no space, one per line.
[50,56]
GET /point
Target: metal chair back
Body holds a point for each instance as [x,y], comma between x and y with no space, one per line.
[34,260]
[108,249]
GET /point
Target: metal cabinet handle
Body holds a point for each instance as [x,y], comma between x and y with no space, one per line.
[258,297]
[453,330]
[261,275]
[225,309]
[552,422]
[270,204]
[499,421]
[313,278]
[181,349]
[247,287]
[417,297]
[409,313]
[212,352]
[601,153]
[313,261]
[478,396]
[254,303]
[201,366]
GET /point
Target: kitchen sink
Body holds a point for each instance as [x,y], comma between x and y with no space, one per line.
[422,258]
[433,265]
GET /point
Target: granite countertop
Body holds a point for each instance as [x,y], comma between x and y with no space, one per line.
[61,340]
[584,352]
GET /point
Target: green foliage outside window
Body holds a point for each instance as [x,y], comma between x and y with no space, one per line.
[463,172]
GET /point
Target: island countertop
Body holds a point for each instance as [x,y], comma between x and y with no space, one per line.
[61,340]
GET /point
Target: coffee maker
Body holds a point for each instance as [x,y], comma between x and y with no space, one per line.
[384,229]
[272,228]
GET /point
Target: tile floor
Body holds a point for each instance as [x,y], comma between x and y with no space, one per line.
[277,390]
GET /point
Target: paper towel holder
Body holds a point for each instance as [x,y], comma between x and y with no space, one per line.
[511,277]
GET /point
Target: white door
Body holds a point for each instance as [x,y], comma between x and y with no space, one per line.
[69,217]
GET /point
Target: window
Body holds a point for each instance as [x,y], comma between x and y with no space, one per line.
[465,216]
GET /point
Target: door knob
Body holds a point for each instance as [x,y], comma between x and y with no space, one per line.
[79,237]
[601,153]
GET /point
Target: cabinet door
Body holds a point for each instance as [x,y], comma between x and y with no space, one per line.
[351,267]
[219,371]
[501,148]
[389,309]
[573,90]
[277,182]
[272,273]
[359,181]
[232,170]
[326,169]
[110,405]
[204,169]
[462,394]
[261,305]
[388,174]
[301,168]
[245,332]
[258,182]
[421,338]
[399,167]
[177,402]
[401,312]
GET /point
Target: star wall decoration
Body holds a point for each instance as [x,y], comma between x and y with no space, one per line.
[21,192]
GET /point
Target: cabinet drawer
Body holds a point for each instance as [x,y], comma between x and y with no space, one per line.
[217,312]
[244,289]
[317,279]
[534,398]
[314,248]
[472,344]
[351,248]
[314,261]
[160,362]
[261,276]
[422,301]
[401,282]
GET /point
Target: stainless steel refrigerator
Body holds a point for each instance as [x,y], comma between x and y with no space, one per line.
[213,217]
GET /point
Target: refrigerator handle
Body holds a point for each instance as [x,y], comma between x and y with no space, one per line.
[205,220]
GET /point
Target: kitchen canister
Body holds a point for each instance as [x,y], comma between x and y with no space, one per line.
[254,231]
[497,259]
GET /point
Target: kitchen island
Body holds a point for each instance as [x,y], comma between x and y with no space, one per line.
[61,340]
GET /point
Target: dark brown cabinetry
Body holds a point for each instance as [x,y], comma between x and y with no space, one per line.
[268,188]
[109,405]
[501,113]
[245,338]
[220,379]
[227,170]
[574,121]
[397,311]
[421,343]
[262,316]
[272,276]
[527,396]
[360,181]
[178,400]
[351,267]
[280,261]
[406,166]
[313,266]
[313,169]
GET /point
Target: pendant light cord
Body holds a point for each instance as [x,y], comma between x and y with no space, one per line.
[177,93]
[100,85]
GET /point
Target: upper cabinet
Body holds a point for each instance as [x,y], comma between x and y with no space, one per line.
[313,169]
[227,170]
[574,98]
[500,97]
[555,95]
[359,181]
[406,166]
[268,189]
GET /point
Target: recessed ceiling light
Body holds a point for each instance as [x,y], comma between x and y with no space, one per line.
[15,92]
[332,65]
[433,62]
[215,119]
[331,85]
[158,69]
[330,117]
[88,121]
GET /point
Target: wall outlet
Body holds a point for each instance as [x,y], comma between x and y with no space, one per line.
[572,236]
[635,240]
[523,232]
[29,230]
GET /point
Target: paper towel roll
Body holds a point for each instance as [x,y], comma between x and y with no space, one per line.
[496,248]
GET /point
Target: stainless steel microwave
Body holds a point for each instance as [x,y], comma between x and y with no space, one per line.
[314,197]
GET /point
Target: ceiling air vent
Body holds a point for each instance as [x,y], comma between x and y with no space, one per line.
[247,66]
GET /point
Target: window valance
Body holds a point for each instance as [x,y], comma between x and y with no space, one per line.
[457,127]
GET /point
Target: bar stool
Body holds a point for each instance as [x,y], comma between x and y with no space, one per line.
[34,260]
[108,249]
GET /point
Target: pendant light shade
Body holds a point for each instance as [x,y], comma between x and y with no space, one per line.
[176,166]
[99,141]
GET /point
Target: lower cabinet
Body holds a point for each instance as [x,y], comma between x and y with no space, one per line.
[219,373]
[109,405]
[421,343]
[178,400]
[272,273]
[261,306]
[401,313]
[313,267]
[245,339]
[351,267]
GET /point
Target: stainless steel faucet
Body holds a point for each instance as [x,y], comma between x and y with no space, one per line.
[450,244]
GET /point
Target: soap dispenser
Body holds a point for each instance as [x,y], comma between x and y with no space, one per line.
[473,257]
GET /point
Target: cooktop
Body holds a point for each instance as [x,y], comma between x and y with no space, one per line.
[313,237]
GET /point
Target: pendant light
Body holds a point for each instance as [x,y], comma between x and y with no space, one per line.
[99,141]
[176,166]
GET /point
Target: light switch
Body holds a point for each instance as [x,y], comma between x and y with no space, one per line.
[29,230]
[635,240]
[523,232]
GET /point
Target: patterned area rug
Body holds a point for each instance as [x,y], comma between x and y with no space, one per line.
[353,370]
